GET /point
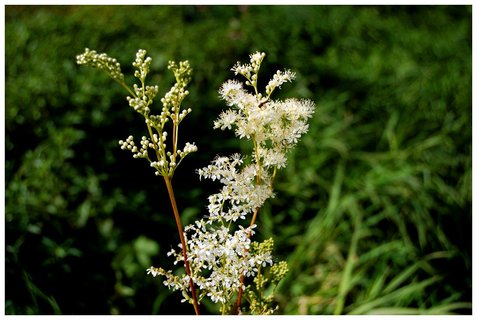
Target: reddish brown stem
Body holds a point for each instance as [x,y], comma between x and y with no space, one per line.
[242,276]
[183,243]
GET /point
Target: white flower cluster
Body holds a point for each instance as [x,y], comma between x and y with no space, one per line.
[101,61]
[141,98]
[141,64]
[130,145]
[279,78]
[164,163]
[240,195]
[143,95]
[188,148]
[218,251]
[173,98]
[217,258]
[249,71]
[274,126]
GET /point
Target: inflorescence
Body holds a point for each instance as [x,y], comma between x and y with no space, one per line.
[217,250]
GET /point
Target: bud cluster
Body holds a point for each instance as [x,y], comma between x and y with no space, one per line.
[101,61]
[141,98]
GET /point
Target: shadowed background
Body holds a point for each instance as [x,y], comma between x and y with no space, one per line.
[373,212]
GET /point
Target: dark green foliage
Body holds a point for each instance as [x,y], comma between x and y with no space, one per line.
[372,214]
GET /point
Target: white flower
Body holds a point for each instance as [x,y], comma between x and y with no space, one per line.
[101,61]
[153,271]
[226,120]
[256,58]
[273,158]
[189,148]
[278,79]
[243,69]
[219,250]
[231,91]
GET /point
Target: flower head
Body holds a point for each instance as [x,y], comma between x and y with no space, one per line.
[101,61]
[220,250]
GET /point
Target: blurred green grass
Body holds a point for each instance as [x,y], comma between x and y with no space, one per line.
[373,212]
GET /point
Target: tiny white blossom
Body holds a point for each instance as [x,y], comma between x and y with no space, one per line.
[189,148]
[231,91]
[226,120]
[154,271]
[278,79]
[256,58]
[219,248]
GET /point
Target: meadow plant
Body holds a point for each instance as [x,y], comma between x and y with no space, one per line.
[221,261]
[153,147]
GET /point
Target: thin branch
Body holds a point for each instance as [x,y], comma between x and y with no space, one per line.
[183,243]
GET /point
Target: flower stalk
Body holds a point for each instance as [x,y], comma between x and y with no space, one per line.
[217,251]
[242,276]
[177,218]
[140,99]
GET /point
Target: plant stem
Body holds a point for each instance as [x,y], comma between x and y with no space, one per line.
[183,243]
[252,222]
[242,276]
[125,86]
